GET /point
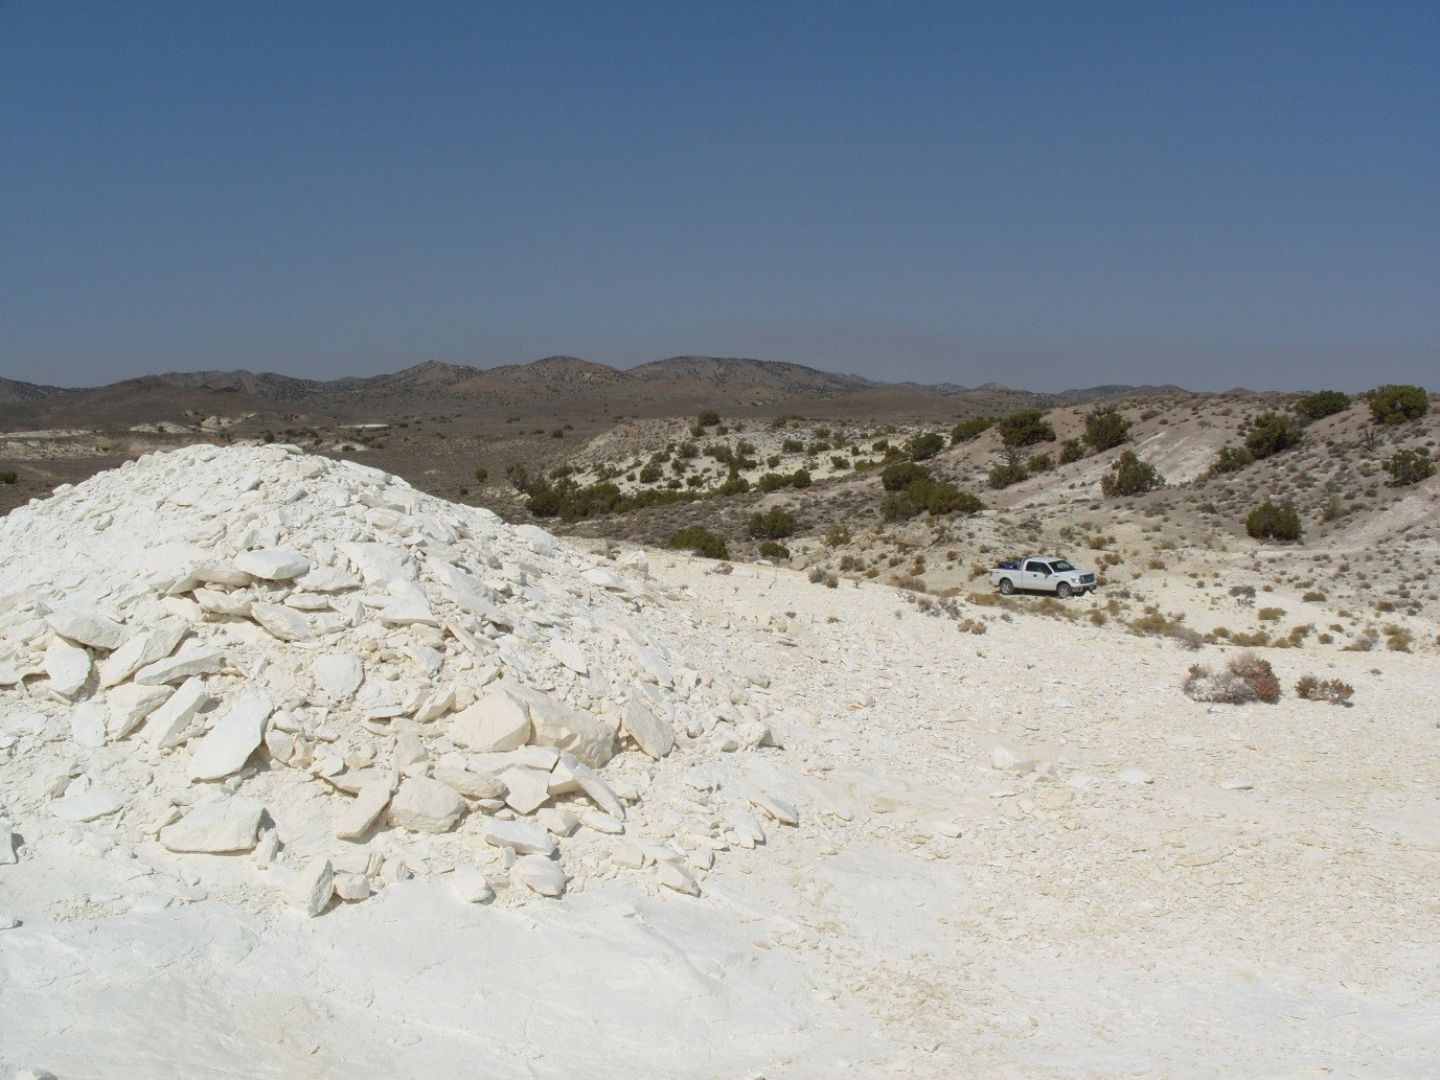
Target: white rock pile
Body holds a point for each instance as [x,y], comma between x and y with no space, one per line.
[248,650]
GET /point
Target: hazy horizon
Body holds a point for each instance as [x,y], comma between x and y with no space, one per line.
[1041,195]
[1352,386]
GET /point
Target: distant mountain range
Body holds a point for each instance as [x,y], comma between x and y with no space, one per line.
[662,386]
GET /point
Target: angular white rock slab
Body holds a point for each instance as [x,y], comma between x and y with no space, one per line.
[602,823]
[326,579]
[556,724]
[68,667]
[217,572]
[88,722]
[236,735]
[526,789]
[132,703]
[653,735]
[526,838]
[311,889]
[196,659]
[470,885]
[272,564]
[541,875]
[364,810]
[605,579]
[569,654]
[777,809]
[339,674]
[87,805]
[494,724]
[570,775]
[426,805]
[285,623]
[221,603]
[215,827]
[141,650]
[675,876]
[472,785]
[86,626]
[166,726]
[351,887]
[407,611]
[746,824]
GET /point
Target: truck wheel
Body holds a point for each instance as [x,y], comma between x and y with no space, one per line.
[1006,586]
[1063,590]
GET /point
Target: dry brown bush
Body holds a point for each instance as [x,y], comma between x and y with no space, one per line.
[1245,679]
[1332,690]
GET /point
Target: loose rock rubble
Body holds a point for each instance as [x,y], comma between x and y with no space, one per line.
[248,650]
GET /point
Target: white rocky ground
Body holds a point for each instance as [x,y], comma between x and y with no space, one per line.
[1019,853]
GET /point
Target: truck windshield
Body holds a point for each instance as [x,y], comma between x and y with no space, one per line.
[1060,566]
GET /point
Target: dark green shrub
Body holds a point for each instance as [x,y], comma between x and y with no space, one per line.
[1272,432]
[945,498]
[1005,474]
[1409,467]
[772,481]
[793,446]
[902,474]
[939,498]
[800,478]
[650,474]
[969,430]
[1394,404]
[899,506]
[1271,522]
[925,446]
[1071,450]
[482,475]
[699,541]
[773,524]
[1130,476]
[1231,459]
[1039,463]
[734,484]
[7,476]
[769,549]
[1321,404]
[1026,428]
[708,418]
[1106,429]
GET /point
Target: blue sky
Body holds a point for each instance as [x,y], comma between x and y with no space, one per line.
[1044,195]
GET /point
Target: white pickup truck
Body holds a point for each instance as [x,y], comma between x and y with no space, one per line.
[1042,573]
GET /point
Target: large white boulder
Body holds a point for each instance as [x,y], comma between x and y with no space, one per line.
[68,667]
[556,724]
[426,805]
[86,626]
[499,721]
[215,827]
